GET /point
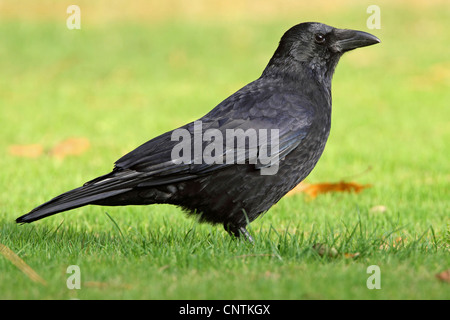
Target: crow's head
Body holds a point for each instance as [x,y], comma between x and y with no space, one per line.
[315,48]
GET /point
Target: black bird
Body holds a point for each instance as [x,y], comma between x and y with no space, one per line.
[293,95]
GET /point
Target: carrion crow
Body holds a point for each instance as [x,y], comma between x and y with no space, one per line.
[289,104]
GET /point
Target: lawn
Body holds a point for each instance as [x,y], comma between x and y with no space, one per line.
[125,78]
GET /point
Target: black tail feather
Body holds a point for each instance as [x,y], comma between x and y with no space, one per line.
[89,193]
[61,203]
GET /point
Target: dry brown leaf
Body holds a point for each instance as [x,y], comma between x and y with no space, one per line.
[314,189]
[351,255]
[444,276]
[27,150]
[72,146]
[20,264]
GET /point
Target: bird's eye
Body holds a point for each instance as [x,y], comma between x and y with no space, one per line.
[319,38]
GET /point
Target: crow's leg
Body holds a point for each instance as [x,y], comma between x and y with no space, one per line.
[238,232]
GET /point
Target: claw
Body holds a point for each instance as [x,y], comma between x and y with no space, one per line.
[238,232]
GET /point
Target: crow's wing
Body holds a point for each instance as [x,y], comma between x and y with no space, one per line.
[288,113]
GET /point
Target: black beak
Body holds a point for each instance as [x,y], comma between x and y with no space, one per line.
[346,40]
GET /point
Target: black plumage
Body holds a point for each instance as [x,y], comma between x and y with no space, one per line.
[293,95]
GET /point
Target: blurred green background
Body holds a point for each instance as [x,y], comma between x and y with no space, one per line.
[137,69]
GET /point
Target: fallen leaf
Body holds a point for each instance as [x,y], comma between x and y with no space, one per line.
[351,255]
[444,276]
[72,146]
[27,151]
[314,189]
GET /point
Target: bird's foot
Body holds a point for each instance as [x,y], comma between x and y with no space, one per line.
[238,232]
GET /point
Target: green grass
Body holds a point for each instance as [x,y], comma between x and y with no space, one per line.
[122,83]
